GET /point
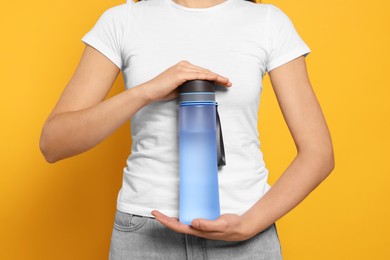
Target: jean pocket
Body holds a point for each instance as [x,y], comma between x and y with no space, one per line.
[127,222]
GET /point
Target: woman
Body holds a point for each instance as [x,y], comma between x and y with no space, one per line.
[158,45]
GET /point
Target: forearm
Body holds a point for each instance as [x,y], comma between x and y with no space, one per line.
[74,132]
[302,176]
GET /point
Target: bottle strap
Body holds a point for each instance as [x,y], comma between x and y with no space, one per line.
[220,147]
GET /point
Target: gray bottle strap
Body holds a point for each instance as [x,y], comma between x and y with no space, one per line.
[220,147]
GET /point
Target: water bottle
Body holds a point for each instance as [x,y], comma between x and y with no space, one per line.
[201,151]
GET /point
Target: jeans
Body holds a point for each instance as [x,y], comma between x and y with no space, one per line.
[139,237]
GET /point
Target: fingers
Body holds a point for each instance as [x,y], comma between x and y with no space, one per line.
[218,225]
[201,75]
[195,72]
[210,229]
[164,86]
[171,223]
[161,216]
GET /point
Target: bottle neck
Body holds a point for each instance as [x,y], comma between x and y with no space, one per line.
[198,103]
[207,97]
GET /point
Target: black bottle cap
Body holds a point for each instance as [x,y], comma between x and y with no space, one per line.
[197,85]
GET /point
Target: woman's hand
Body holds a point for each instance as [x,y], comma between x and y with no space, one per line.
[228,227]
[164,86]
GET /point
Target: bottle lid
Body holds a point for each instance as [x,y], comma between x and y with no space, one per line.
[197,86]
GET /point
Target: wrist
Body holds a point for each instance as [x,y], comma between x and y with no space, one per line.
[248,229]
[141,93]
[254,224]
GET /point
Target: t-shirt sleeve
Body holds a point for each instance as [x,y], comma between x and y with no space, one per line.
[107,35]
[284,43]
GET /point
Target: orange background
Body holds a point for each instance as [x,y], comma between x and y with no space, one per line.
[66,210]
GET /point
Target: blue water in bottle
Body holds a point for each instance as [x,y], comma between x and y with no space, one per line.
[199,194]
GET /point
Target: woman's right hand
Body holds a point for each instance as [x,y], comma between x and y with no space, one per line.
[164,86]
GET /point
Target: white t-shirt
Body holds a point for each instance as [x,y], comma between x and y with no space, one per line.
[237,39]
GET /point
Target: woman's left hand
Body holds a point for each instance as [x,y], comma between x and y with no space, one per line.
[228,227]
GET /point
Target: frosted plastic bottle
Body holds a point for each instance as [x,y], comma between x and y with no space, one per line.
[201,151]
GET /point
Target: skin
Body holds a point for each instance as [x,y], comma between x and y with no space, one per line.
[82,118]
[313,163]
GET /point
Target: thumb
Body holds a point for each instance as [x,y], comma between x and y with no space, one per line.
[174,94]
[218,225]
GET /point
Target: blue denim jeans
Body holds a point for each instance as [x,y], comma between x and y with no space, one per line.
[138,237]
